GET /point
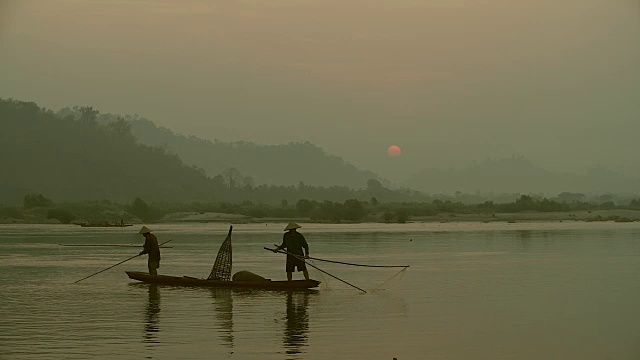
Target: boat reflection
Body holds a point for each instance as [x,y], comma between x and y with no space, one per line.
[297,322]
[296,319]
[293,320]
[151,326]
[223,305]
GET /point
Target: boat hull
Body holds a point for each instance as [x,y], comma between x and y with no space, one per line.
[105,225]
[195,282]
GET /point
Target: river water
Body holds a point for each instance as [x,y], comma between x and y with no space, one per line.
[555,290]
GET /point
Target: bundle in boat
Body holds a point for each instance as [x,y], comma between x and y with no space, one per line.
[245,275]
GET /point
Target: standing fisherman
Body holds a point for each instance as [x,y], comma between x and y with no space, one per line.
[151,247]
[294,242]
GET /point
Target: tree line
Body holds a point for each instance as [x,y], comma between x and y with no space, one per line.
[37,208]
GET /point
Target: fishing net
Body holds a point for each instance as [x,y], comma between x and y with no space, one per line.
[222,267]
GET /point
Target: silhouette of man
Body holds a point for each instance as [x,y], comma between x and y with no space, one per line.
[151,247]
[294,242]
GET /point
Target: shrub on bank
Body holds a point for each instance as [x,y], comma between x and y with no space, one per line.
[63,215]
[11,212]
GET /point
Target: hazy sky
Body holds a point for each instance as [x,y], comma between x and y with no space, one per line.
[450,81]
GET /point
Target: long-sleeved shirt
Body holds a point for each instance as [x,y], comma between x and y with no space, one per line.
[151,247]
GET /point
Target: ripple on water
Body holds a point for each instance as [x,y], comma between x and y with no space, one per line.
[481,291]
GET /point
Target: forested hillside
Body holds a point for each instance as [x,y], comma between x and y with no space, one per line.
[78,159]
[73,157]
[287,164]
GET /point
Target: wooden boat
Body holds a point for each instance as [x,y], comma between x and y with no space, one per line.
[103,225]
[220,276]
[190,281]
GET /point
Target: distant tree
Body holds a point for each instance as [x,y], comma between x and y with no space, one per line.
[11,212]
[218,181]
[248,183]
[353,210]
[388,216]
[525,202]
[329,210]
[120,130]
[88,115]
[284,203]
[32,200]
[374,201]
[304,206]
[608,205]
[635,203]
[231,177]
[403,216]
[63,215]
[605,198]
[140,209]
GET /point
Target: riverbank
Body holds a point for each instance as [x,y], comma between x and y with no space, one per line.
[616,215]
[620,215]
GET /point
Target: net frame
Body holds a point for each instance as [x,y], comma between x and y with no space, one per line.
[224,261]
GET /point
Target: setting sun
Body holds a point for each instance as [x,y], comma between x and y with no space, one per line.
[394,151]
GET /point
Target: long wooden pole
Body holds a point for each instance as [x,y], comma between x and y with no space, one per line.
[317,268]
[112,266]
[364,265]
[113,245]
[352,264]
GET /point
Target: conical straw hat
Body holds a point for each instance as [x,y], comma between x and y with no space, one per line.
[292,225]
[144,230]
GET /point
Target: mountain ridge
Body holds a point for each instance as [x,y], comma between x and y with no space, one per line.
[286,164]
[519,175]
[75,158]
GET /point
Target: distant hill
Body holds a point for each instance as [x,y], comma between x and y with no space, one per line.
[287,164]
[78,155]
[78,159]
[518,175]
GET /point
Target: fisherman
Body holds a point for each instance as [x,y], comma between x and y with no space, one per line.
[151,247]
[294,242]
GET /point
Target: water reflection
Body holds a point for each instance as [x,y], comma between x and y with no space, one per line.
[151,326]
[297,322]
[223,304]
[525,238]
